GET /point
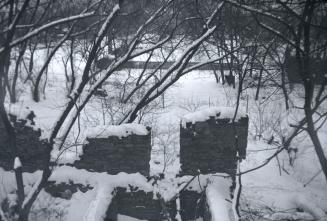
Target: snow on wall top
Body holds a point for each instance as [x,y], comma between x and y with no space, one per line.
[123,130]
[20,113]
[17,163]
[205,114]
[96,201]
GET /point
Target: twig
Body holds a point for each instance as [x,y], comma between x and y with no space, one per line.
[312,178]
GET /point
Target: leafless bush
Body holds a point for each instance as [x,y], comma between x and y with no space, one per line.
[192,104]
[47,209]
[166,142]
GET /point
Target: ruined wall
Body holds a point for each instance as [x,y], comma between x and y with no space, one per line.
[209,146]
[192,205]
[65,190]
[129,154]
[139,204]
[31,150]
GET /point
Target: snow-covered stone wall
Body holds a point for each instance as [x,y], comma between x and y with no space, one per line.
[115,154]
[210,146]
[192,205]
[30,149]
[207,197]
[139,204]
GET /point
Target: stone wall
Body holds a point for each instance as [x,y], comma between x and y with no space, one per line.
[192,205]
[205,147]
[140,205]
[31,150]
[210,146]
[65,190]
[129,154]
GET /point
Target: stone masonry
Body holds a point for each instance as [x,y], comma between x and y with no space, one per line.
[113,155]
[210,146]
[31,151]
[139,204]
[192,205]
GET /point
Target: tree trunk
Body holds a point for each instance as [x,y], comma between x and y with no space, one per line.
[71,56]
[13,95]
[36,93]
[316,143]
[284,89]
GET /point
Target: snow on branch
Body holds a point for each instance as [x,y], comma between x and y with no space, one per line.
[154,16]
[279,34]
[258,11]
[146,50]
[47,26]
[269,15]
[200,64]
[213,15]
[32,193]
[107,23]
[178,62]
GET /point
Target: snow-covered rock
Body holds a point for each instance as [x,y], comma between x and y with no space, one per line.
[205,114]
[123,130]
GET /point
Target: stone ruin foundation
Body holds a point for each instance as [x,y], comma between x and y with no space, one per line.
[192,205]
[139,204]
[210,147]
[31,150]
[206,147]
[113,155]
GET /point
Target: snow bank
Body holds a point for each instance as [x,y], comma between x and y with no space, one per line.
[289,216]
[99,198]
[123,130]
[65,174]
[127,218]
[66,157]
[217,205]
[98,206]
[217,187]
[309,206]
[205,114]
[104,185]
[311,210]
[217,194]
[23,113]
[38,115]
[19,112]
[202,181]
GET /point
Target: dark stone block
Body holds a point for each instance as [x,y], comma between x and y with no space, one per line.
[211,146]
[30,149]
[65,190]
[113,155]
[141,205]
[192,205]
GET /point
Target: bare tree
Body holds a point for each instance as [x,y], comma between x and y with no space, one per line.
[158,27]
[303,26]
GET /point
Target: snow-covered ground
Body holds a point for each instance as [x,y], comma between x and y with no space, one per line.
[273,191]
[276,186]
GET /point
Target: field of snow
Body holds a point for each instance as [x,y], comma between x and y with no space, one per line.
[273,191]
